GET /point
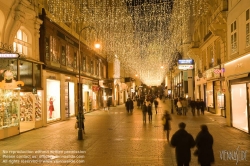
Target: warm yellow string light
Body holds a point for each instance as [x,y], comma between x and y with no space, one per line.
[142,34]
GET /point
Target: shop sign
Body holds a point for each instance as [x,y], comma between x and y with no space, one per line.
[11,55]
[95,88]
[185,64]
[185,67]
[185,61]
[218,71]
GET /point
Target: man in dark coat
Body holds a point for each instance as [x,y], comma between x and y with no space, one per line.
[149,109]
[144,112]
[198,106]
[204,143]
[183,142]
[202,106]
[193,105]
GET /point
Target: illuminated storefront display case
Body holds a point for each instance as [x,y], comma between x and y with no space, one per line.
[9,106]
[210,95]
[20,104]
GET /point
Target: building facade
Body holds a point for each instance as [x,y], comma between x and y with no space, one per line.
[21,90]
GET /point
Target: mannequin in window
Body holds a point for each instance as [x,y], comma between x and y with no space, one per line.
[51,107]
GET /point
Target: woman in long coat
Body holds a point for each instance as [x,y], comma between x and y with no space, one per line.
[166,123]
[204,143]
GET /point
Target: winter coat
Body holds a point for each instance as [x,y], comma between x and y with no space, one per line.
[204,143]
[149,108]
[182,141]
[192,104]
[144,108]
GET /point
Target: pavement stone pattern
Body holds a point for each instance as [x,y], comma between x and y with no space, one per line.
[116,138]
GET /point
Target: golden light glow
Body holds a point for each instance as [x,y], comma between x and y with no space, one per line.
[142,34]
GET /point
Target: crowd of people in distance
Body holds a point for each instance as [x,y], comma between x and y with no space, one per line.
[181,140]
[182,105]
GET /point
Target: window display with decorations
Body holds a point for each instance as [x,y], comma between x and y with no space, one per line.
[28,103]
[9,106]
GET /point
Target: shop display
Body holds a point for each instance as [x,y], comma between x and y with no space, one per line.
[26,107]
[8,108]
[51,107]
[27,103]
[38,107]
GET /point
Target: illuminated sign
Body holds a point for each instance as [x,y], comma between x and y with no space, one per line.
[218,71]
[15,55]
[185,61]
[185,67]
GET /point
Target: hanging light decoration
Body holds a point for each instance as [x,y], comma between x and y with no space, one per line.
[142,34]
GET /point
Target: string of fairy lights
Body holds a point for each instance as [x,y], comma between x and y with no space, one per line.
[143,34]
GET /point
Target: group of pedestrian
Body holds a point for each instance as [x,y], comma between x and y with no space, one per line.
[183,142]
[182,106]
[147,109]
[129,105]
[198,105]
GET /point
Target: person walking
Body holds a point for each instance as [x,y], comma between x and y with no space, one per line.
[183,142]
[197,104]
[144,112]
[193,105]
[184,103]
[166,123]
[202,106]
[149,108]
[131,106]
[204,144]
[108,103]
[127,105]
[179,107]
[156,103]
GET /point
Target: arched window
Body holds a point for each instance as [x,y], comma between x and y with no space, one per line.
[20,43]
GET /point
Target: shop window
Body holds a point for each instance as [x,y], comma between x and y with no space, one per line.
[233,38]
[53,100]
[9,106]
[69,56]
[37,75]
[54,49]
[210,95]
[63,56]
[26,74]
[47,49]
[239,106]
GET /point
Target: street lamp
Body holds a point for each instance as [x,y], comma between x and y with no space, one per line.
[80,102]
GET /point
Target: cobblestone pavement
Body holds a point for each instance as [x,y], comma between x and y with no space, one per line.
[116,138]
